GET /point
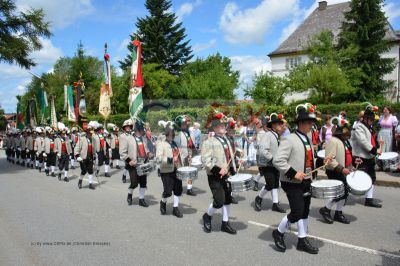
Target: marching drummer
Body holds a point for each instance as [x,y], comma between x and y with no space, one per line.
[338,168]
[365,146]
[186,146]
[295,160]
[268,143]
[134,152]
[167,154]
[85,154]
[64,149]
[101,145]
[50,152]
[219,160]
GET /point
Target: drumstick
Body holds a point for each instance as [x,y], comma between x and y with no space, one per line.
[227,165]
[241,163]
[316,169]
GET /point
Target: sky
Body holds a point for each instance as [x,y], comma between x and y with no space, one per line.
[243,30]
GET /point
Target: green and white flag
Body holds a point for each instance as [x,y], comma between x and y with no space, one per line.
[135,91]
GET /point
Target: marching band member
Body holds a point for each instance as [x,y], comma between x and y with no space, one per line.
[22,147]
[85,154]
[30,153]
[295,159]
[17,148]
[133,151]
[126,130]
[7,145]
[39,148]
[101,147]
[115,157]
[74,140]
[338,168]
[230,132]
[365,147]
[264,128]
[167,155]
[268,142]
[186,146]
[50,152]
[219,160]
[64,149]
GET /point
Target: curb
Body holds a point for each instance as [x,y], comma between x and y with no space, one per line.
[379,182]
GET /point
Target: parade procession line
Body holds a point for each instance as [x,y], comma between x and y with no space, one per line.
[337,243]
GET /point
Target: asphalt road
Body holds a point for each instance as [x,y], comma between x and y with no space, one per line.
[47,222]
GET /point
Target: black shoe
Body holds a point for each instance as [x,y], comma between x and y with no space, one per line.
[340,217]
[97,172]
[111,166]
[190,192]
[118,167]
[107,175]
[59,177]
[257,203]
[207,223]
[143,203]
[40,169]
[372,203]
[234,200]
[53,174]
[279,240]
[277,208]
[226,227]
[163,207]
[304,245]
[123,178]
[32,166]
[17,163]
[72,167]
[326,214]
[47,172]
[80,184]
[66,179]
[255,188]
[176,212]
[37,167]
[91,186]
[23,164]
[129,199]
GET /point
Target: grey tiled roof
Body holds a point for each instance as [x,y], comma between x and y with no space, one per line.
[328,19]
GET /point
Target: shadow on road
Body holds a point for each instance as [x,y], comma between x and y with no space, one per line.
[314,212]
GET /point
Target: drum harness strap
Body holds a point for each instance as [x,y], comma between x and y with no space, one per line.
[227,148]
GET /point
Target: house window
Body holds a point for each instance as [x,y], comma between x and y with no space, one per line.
[292,62]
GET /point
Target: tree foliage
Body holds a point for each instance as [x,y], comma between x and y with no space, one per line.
[268,88]
[365,28]
[209,78]
[20,34]
[162,37]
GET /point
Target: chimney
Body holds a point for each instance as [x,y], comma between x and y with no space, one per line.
[322,5]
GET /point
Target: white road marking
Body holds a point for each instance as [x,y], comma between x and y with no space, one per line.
[337,243]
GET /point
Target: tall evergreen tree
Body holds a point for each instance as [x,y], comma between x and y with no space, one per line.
[163,39]
[20,32]
[365,28]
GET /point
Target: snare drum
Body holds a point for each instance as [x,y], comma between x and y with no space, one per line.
[390,160]
[145,169]
[196,162]
[241,182]
[327,189]
[321,154]
[359,182]
[184,173]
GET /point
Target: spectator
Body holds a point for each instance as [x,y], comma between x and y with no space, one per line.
[326,132]
[250,138]
[238,134]
[359,119]
[195,133]
[387,123]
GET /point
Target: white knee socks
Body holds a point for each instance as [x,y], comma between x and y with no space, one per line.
[258,176]
[283,225]
[275,195]
[370,193]
[189,186]
[301,228]
[176,201]
[141,192]
[130,191]
[262,192]
[90,179]
[225,212]
[65,173]
[340,204]
[329,204]
[106,168]
[211,210]
[53,168]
